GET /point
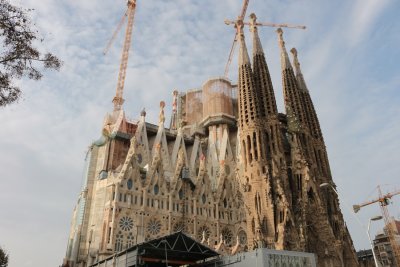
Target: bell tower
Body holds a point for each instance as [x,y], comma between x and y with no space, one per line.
[257,187]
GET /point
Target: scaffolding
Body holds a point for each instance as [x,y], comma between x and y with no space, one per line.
[194,106]
[217,97]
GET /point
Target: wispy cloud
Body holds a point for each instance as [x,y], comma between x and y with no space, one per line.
[364,14]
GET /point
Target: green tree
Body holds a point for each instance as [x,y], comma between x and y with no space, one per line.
[3,258]
[18,56]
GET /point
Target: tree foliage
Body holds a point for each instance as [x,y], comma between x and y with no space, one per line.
[3,258]
[19,57]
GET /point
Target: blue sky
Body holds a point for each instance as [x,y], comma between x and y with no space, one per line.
[349,56]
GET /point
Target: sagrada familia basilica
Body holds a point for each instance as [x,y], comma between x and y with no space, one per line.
[229,170]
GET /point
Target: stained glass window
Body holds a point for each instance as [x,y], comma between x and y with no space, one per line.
[129,184]
[126,223]
[154,227]
[227,236]
[203,198]
[156,189]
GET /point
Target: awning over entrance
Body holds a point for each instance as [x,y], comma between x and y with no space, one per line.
[172,250]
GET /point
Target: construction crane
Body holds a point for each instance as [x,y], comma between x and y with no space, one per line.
[384,201]
[130,14]
[253,23]
[240,17]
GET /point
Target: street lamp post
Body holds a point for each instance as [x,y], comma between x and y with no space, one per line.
[376,218]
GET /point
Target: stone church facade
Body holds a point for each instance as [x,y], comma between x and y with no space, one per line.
[230,171]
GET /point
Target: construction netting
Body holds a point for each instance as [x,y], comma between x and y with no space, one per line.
[194,106]
[217,97]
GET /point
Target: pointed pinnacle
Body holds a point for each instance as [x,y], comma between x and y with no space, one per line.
[299,74]
[243,54]
[253,21]
[257,48]
[296,63]
[284,55]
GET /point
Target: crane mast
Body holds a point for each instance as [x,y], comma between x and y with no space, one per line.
[118,99]
[390,224]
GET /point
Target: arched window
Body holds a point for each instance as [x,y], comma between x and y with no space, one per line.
[180,193]
[156,189]
[129,184]
[129,240]
[244,153]
[249,155]
[119,241]
[255,146]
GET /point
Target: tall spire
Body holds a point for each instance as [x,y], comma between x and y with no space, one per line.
[262,78]
[257,48]
[308,105]
[254,149]
[248,108]
[285,62]
[291,93]
[243,54]
[299,74]
[316,143]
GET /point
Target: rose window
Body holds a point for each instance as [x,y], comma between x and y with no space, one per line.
[179,226]
[242,237]
[203,229]
[126,223]
[154,227]
[227,236]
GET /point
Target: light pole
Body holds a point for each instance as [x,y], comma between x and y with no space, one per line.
[376,218]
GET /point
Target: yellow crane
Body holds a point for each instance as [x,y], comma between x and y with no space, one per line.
[130,14]
[252,23]
[384,201]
